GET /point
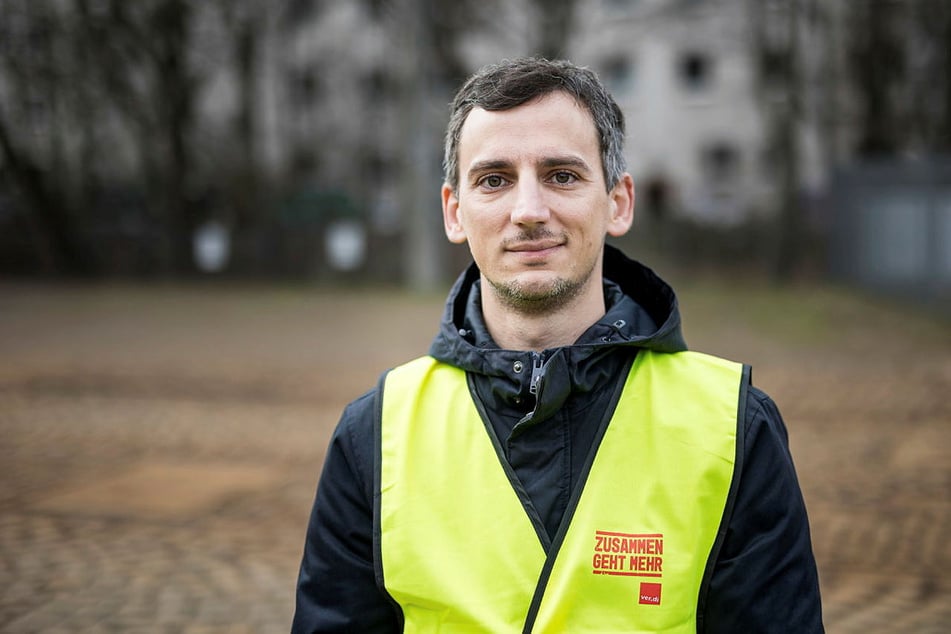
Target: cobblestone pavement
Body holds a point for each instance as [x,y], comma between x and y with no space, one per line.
[160,447]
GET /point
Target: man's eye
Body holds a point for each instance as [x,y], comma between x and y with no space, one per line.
[493,181]
[563,178]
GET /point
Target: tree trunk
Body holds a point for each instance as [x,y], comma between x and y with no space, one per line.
[789,243]
[57,248]
[246,192]
[556,17]
[171,22]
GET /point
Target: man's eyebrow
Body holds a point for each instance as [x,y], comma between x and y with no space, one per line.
[565,161]
[488,166]
[550,162]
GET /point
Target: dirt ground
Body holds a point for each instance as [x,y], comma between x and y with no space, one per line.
[160,446]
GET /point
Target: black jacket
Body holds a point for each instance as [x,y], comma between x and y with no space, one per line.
[545,409]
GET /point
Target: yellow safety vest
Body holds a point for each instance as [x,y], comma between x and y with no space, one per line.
[458,551]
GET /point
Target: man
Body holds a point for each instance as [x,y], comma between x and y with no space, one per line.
[558,462]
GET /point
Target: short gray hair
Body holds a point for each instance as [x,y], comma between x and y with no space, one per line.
[511,83]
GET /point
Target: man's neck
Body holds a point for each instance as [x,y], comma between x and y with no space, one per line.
[512,329]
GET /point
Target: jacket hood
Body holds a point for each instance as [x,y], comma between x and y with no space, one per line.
[641,313]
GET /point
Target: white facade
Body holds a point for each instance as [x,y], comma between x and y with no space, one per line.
[682,74]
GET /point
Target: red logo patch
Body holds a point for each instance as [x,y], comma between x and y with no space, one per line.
[649,594]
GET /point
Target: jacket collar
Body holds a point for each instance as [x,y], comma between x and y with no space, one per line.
[642,312]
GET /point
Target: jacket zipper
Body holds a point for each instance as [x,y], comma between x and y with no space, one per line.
[538,371]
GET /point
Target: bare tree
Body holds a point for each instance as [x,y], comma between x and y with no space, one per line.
[244,23]
[776,51]
[555,20]
[40,96]
[877,58]
[141,59]
[69,69]
[929,69]
[942,40]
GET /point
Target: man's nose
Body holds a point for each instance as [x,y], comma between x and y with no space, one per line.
[530,204]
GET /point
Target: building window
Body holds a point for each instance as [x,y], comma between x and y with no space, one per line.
[619,74]
[376,8]
[695,71]
[720,162]
[377,85]
[304,88]
[621,5]
[297,12]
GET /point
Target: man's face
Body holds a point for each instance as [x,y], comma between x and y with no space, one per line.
[532,202]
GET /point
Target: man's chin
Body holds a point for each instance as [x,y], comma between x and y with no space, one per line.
[534,293]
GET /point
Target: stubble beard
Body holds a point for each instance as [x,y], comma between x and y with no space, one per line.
[537,299]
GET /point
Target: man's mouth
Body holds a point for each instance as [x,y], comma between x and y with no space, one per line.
[532,246]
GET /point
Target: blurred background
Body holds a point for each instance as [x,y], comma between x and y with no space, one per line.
[302,139]
[219,222]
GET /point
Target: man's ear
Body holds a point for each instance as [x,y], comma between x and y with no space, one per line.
[622,206]
[450,216]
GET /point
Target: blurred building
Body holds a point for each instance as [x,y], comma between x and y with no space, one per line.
[286,124]
[733,107]
[355,101]
[683,72]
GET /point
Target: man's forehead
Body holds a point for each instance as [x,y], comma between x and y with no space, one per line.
[556,116]
[557,98]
